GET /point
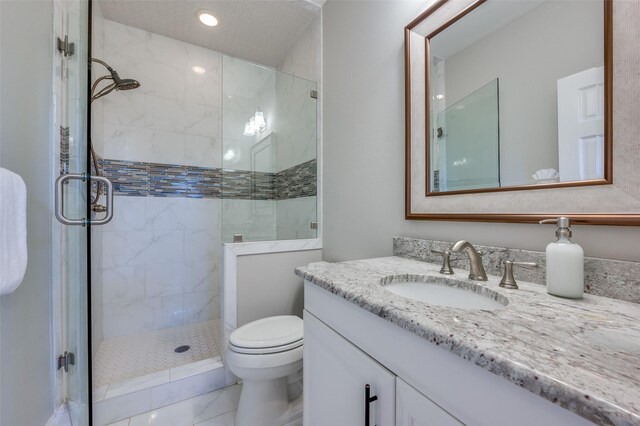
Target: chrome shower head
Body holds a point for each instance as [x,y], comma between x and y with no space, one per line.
[118,83]
[124,83]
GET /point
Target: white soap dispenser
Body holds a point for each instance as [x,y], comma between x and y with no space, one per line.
[565,263]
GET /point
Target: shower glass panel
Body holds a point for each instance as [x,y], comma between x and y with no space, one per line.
[269,136]
[74,239]
[467,152]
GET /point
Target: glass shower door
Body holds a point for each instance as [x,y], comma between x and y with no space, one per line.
[71,241]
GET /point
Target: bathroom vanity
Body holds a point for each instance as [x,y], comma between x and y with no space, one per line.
[534,360]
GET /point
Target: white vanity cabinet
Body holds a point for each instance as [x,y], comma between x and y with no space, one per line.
[417,382]
[415,409]
[339,372]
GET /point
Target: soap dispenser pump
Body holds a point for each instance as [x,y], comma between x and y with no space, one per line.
[565,263]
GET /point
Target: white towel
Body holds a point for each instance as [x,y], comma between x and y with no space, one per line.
[13,231]
[546,175]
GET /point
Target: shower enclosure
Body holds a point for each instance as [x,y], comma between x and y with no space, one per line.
[207,149]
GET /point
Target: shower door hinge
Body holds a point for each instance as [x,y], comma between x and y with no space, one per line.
[65,47]
[65,360]
[314,94]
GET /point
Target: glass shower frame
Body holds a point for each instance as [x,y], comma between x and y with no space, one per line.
[73,109]
[269,180]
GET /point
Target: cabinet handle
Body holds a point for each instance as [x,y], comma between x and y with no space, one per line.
[368,399]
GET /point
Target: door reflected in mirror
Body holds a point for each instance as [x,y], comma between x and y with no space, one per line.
[517,96]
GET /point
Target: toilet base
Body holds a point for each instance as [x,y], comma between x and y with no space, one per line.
[262,402]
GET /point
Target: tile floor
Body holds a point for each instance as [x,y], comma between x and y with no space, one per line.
[212,409]
[127,357]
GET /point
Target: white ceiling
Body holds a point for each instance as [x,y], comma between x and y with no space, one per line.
[260,31]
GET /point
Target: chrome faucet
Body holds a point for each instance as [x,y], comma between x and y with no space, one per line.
[476,269]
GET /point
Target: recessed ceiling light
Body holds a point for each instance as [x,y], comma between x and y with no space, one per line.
[199,70]
[207,18]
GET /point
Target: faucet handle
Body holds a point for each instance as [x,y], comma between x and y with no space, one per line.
[446,264]
[508,281]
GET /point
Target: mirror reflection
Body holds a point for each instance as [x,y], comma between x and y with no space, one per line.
[516,95]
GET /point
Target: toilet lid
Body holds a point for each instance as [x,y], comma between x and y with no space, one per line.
[276,333]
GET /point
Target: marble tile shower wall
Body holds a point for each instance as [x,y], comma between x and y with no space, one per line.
[174,116]
[294,218]
[160,254]
[297,132]
[160,264]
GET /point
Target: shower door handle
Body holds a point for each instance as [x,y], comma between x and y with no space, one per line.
[59,199]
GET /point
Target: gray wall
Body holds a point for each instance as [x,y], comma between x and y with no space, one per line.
[25,50]
[267,285]
[363,172]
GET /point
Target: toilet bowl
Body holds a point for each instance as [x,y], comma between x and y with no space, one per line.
[263,353]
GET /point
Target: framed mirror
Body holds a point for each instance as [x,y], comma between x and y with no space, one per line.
[510,113]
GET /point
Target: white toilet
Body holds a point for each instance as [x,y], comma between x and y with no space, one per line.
[263,353]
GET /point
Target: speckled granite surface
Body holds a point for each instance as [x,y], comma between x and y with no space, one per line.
[583,355]
[602,277]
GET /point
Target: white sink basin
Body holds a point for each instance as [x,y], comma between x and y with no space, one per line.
[447,292]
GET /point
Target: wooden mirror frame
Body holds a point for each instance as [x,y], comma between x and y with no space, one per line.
[604,218]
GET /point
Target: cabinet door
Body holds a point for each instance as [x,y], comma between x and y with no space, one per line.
[335,375]
[415,409]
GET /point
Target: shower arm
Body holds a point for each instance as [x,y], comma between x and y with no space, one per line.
[103,63]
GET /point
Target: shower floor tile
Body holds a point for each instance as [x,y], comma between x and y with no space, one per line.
[127,357]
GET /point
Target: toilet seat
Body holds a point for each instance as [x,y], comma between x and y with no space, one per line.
[266,351]
[268,336]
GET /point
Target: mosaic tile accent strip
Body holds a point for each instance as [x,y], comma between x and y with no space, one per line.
[297,181]
[133,178]
[616,279]
[64,150]
[142,179]
[248,185]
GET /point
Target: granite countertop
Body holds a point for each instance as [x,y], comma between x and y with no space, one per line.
[583,355]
